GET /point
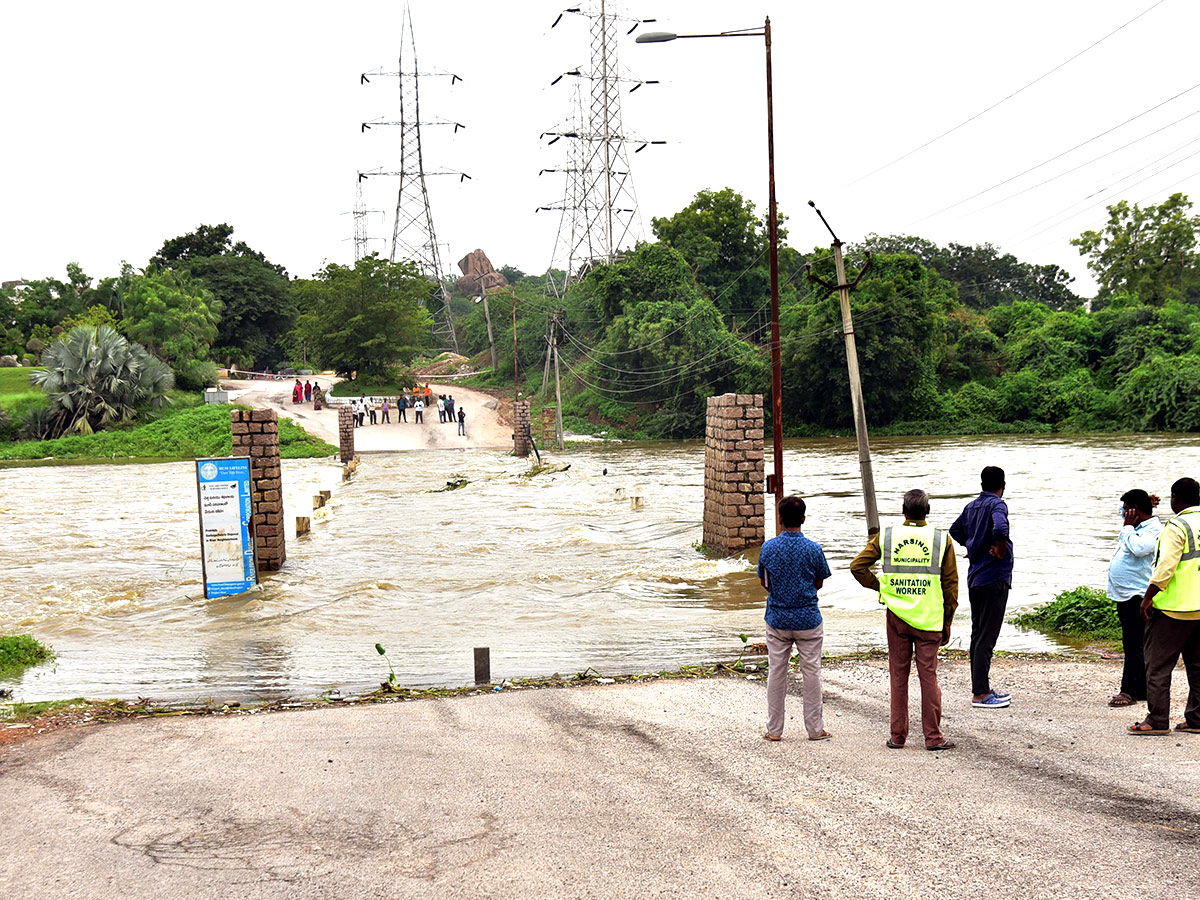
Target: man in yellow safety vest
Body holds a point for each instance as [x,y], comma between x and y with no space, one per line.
[1171,607]
[918,582]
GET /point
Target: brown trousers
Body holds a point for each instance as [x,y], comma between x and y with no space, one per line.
[904,642]
[1166,640]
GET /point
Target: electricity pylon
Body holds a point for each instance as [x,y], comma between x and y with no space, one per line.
[413,235]
[599,211]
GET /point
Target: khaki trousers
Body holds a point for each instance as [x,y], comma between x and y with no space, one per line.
[808,646]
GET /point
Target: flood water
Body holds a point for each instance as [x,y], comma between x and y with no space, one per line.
[555,573]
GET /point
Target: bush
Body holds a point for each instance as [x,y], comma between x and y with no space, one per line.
[1082,612]
[18,651]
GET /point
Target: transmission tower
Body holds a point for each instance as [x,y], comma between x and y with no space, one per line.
[599,211]
[362,236]
[413,235]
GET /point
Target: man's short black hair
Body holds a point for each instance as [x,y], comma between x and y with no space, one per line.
[791,511]
[991,478]
[1186,491]
[1138,499]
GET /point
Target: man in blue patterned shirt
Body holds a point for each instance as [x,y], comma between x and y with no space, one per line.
[792,569]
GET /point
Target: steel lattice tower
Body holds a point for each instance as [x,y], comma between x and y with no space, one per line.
[599,207]
[414,237]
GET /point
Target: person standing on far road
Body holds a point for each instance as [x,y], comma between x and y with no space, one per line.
[462,422]
[983,530]
[441,408]
[371,404]
[401,406]
[1171,608]
[418,409]
[307,391]
[918,583]
[792,569]
[1128,577]
[385,411]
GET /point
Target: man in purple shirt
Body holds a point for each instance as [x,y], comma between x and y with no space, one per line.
[983,530]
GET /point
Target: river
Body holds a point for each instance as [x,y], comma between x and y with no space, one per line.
[554,573]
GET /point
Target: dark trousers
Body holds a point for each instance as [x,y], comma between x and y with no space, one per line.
[988,602]
[387,416]
[403,414]
[373,421]
[1133,638]
[420,417]
[905,642]
[1166,640]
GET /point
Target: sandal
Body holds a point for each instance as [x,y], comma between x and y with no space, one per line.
[1144,728]
[772,737]
[892,745]
[1190,729]
[823,736]
[1121,699]
[944,745]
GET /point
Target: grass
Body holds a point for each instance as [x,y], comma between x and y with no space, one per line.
[15,387]
[181,432]
[18,652]
[1082,612]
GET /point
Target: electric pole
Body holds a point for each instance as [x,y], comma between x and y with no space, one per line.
[856,398]
[546,368]
[558,425]
[487,315]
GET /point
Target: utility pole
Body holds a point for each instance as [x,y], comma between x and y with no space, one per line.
[558,425]
[856,398]
[546,368]
[491,340]
[516,378]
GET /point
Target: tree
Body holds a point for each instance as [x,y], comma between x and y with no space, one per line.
[900,320]
[1143,251]
[95,378]
[257,309]
[176,319]
[366,318]
[725,244]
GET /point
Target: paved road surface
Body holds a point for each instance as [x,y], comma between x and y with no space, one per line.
[484,428]
[662,789]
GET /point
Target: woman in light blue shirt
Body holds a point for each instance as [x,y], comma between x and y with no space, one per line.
[1128,577]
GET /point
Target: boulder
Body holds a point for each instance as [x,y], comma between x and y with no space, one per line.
[9,362]
[479,275]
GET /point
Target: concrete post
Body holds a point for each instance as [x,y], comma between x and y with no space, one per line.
[521,446]
[733,473]
[256,435]
[346,433]
[549,423]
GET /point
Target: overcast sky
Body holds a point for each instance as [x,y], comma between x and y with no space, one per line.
[123,123]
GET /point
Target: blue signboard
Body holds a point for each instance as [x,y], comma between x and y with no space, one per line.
[226,535]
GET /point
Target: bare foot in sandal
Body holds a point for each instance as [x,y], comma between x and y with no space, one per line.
[1147,728]
[1121,699]
[823,736]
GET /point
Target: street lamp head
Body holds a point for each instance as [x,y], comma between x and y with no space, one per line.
[655,37]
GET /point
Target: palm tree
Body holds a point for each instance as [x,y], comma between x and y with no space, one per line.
[95,378]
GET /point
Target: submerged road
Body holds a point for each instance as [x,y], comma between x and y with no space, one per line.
[655,789]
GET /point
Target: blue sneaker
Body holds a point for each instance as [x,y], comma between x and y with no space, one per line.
[1003,695]
[992,701]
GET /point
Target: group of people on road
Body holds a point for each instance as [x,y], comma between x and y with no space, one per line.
[1154,576]
[308,392]
[379,411]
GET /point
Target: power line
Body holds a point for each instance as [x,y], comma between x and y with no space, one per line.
[1010,96]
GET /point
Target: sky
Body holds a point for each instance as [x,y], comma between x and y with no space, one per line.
[126,123]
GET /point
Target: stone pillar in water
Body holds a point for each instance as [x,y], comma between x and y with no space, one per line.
[256,435]
[549,425]
[734,485]
[346,433]
[521,446]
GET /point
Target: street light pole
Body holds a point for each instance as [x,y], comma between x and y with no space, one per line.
[775,480]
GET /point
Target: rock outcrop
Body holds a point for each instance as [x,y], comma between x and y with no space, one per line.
[479,274]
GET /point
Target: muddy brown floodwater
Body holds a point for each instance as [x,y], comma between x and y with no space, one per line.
[554,574]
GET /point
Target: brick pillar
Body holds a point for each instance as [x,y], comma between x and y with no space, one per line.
[549,424]
[521,445]
[256,434]
[734,485]
[346,433]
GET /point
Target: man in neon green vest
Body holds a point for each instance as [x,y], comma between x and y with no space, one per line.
[1172,610]
[918,582]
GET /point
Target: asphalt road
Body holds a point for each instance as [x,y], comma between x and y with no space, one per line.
[660,789]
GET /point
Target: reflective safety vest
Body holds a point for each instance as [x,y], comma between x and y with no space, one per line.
[910,583]
[1182,593]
